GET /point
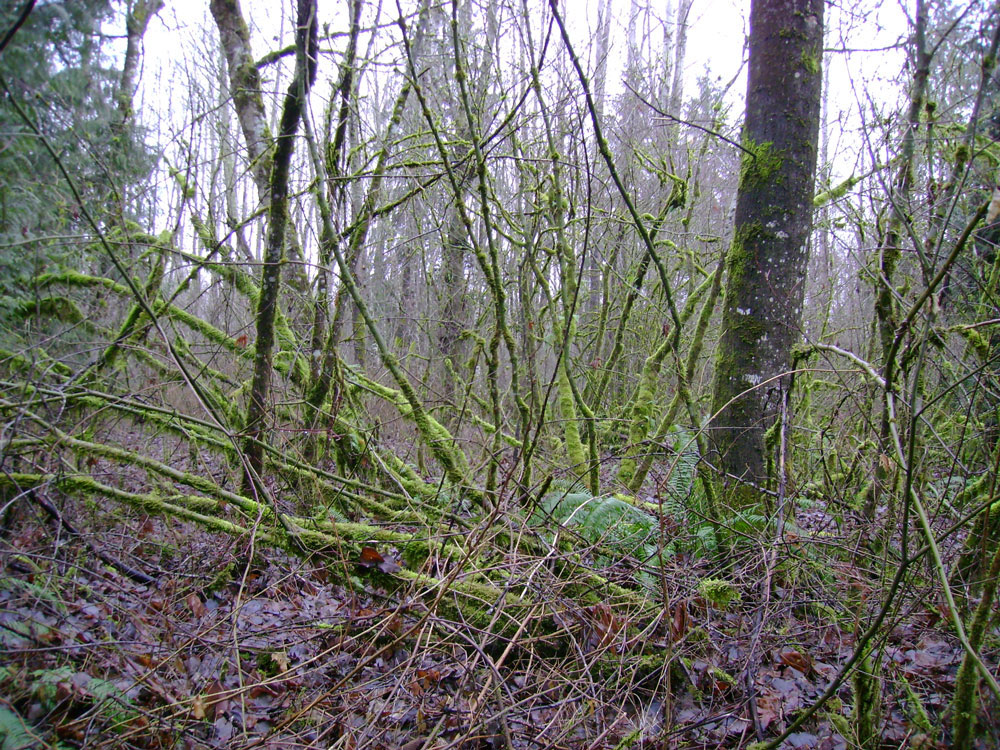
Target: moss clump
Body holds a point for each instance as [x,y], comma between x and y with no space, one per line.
[718,592]
[641,415]
[722,676]
[961,155]
[571,428]
[760,162]
[836,192]
[61,308]
[867,714]
[678,192]
[738,260]
[976,341]
[187,189]
[810,63]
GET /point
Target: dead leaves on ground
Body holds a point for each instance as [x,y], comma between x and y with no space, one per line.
[276,652]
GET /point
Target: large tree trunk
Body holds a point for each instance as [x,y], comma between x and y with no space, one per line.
[767,261]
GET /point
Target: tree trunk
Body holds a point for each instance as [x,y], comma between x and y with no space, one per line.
[270,281]
[244,81]
[767,261]
[136,23]
[886,306]
[245,84]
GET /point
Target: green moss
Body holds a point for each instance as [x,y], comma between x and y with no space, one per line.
[720,593]
[271,663]
[961,155]
[836,192]
[571,427]
[915,708]
[810,63]
[867,714]
[433,432]
[747,327]
[976,341]
[738,259]
[760,162]
[722,676]
[641,414]
[678,192]
[187,189]
[60,308]
[407,476]
[839,723]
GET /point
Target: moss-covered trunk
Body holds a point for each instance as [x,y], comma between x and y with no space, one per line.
[767,260]
[270,281]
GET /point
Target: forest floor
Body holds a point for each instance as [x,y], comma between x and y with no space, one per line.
[237,645]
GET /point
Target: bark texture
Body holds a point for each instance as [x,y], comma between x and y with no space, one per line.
[767,261]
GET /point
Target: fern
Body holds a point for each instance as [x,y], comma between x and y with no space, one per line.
[680,485]
[14,734]
[683,500]
[621,529]
[45,684]
[32,589]
[111,700]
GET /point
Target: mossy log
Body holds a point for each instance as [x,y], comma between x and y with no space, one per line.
[500,605]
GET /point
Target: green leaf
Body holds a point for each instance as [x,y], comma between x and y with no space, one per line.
[14,731]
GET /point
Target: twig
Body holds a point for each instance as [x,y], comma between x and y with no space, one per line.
[136,575]
[25,12]
[696,126]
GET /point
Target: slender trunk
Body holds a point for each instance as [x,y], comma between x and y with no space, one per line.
[270,281]
[136,23]
[886,312]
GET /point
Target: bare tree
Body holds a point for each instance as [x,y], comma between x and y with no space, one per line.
[295,99]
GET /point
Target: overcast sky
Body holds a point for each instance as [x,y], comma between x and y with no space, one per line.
[178,42]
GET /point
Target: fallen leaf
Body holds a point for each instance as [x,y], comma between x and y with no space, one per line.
[429,676]
[768,710]
[214,700]
[388,565]
[802,740]
[280,659]
[679,626]
[795,659]
[370,557]
[224,729]
[195,605]
[606,625]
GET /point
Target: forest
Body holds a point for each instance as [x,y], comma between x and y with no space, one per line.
[524,374]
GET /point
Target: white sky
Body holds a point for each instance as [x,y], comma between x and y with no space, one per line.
[178,45]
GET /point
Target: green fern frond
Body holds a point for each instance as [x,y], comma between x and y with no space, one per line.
[14,734]
[613,523]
